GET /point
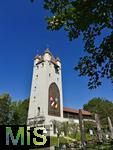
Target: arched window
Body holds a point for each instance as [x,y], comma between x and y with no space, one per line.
[54,100]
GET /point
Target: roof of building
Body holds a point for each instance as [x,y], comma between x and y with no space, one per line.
[58,59]
[48,51]
[84,112]
[37,57]
[41,58]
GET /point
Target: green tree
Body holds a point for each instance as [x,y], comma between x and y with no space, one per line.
[57,126]
[22,111]
[89,125]
[5,109]
[65,128]
[14,114]
[89,19]
[74,127]
[102,107]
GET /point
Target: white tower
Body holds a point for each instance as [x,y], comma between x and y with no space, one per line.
[46,100]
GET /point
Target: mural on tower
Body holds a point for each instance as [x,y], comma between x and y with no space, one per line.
[54,100]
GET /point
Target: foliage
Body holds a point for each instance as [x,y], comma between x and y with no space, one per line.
[89,18]
[73,129]
[58,126]
[89,125]
[5,115]
[22,110]
[15,115]
[12,112]
[102,107]
[67,128]
[53,140]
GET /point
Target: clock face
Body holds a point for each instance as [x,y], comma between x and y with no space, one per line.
[54,100]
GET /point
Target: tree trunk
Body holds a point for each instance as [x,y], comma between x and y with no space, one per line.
[81,124]
[98,127]
[110,127]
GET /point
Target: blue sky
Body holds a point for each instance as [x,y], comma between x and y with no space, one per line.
[23,33]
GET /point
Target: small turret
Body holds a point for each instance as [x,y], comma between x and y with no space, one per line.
[58,61]
[37,58]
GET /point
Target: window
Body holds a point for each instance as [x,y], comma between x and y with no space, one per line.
[53,100]
[56,69]
[38,111]
[49,63]
[42,64]
[49,74]
[65,114]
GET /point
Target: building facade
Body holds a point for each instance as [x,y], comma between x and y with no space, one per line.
[46,98]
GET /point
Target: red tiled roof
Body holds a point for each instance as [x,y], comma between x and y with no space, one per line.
[76,111]
[70,110]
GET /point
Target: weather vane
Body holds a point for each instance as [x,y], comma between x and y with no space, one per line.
[37,51]
[47,45]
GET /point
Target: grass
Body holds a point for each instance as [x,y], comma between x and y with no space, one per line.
[62,140]
[53,140]
[104,146]
[65,140]
[78,138]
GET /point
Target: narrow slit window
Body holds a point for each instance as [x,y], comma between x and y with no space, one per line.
[38,111]
[49,74]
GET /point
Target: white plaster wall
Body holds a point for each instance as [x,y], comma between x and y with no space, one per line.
[39,92]
[54,77]
[68,120]
[31,111]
